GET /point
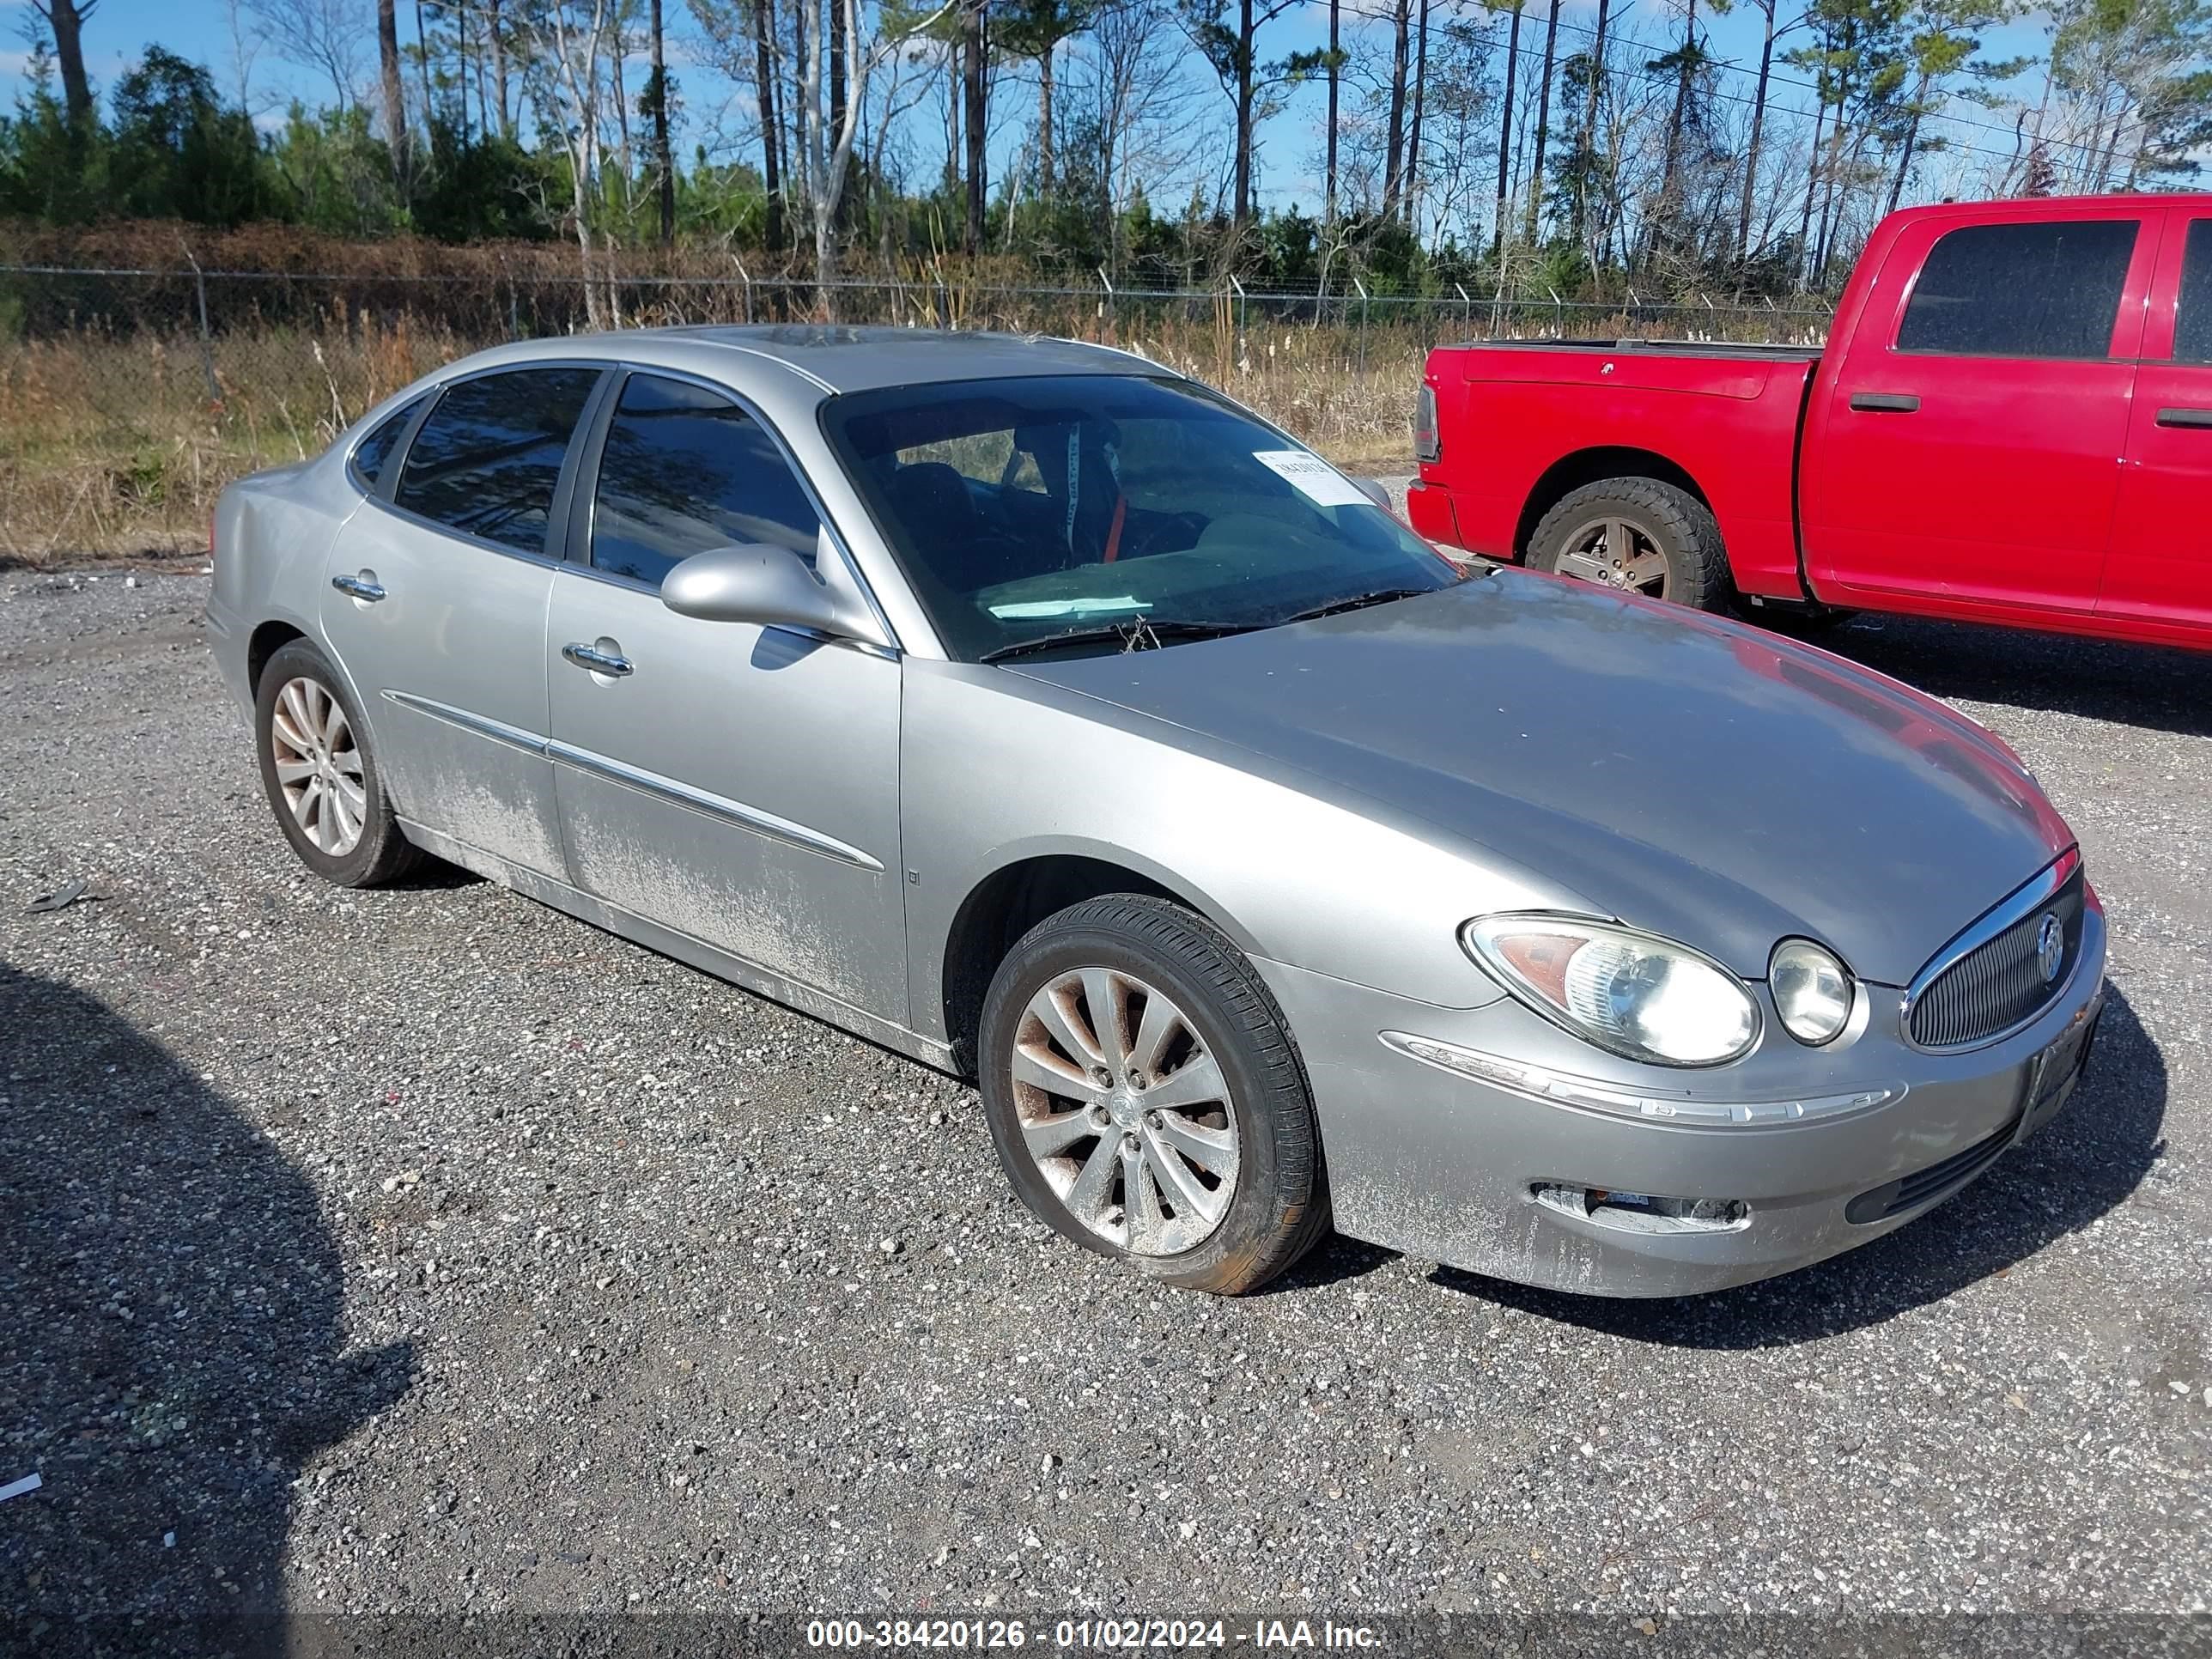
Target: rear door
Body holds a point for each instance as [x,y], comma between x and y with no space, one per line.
[436,610]
[1967,455]
[2160,568]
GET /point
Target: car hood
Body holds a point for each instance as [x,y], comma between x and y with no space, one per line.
[1697,777]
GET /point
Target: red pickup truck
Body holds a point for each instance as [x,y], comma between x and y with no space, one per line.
[2011,422]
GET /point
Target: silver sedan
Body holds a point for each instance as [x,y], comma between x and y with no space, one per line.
[1039,714]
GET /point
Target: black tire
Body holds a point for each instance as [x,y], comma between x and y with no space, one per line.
[383,853]
[1279,1205]
[1676,523]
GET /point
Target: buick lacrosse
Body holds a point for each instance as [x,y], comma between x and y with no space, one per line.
[1036,711]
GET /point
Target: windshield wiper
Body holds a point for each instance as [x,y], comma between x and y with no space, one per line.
[1138,634]
[1357,602]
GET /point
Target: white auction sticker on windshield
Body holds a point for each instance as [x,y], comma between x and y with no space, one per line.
[1312,477]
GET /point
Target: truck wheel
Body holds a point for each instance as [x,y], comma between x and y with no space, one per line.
[1640,536]
[1146,1100]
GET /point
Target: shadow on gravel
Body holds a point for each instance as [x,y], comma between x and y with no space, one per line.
[432,875]
[2146,685]
[2084,1162]
[1332,1260]
[174,1315]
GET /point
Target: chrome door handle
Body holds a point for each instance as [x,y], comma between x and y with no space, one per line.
[364,587]
[598,661]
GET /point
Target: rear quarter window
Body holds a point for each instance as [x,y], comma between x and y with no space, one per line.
[373,454]
[2048,288]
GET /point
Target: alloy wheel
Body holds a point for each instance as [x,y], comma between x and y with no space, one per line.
[319,766]
[1615,553]
[1125,1111]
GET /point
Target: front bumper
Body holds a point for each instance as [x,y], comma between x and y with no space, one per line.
[1464,1171]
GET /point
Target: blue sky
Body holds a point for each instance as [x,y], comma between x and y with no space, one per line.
[203,30]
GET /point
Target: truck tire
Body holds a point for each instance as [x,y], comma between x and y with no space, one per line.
[1639,536]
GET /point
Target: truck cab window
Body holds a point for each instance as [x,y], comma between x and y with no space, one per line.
[2045,289]
[2192,324]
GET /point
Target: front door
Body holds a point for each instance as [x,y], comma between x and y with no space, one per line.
[435,607]
[2161,568]
[1967,452]
[734,783]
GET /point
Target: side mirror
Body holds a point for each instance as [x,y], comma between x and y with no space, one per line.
[756,583]
[1373,489]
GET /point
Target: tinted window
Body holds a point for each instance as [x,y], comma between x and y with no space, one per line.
[684,472]
[371,454]
[2033,290]
[2193,327]
[487,459]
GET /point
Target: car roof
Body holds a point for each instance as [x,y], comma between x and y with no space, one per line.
[838,357]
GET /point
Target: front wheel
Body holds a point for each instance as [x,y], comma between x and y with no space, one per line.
[1637,535]
[1146,1099]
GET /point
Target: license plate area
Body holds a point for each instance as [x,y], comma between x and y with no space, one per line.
[2052,1075]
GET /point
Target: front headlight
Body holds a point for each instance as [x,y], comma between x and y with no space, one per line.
[1813,991]
[1633,994]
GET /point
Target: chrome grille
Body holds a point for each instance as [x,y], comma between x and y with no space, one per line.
[1999,982]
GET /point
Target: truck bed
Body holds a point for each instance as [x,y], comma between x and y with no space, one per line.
[1721,349]
[1526,422]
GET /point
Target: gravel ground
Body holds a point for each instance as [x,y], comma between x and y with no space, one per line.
[424,1249]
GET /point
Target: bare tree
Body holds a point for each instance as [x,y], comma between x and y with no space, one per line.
[1232,49]
[664,163]
[1505,123]
[1401,31]
[1133,95]
[65,20]
[322,35]
[974,69]
[742,37]
[394,93]
[826,138]
[566,37]
[1772,30]
[1543,120]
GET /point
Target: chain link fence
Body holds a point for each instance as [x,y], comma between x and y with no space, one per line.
[130,396]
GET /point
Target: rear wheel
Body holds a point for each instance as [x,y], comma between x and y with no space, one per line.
[320,774]
[1639,536]
[1146,1100]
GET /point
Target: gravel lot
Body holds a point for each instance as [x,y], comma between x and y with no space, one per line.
[424,1249]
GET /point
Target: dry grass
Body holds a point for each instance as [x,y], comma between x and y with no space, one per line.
[119,427]
[119,445]
[114,445]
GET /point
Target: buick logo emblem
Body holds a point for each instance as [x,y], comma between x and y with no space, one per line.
[2050,947]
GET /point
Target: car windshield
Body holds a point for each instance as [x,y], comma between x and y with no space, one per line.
[1103,506]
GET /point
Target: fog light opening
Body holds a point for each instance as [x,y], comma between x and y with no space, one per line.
[1642,1212]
